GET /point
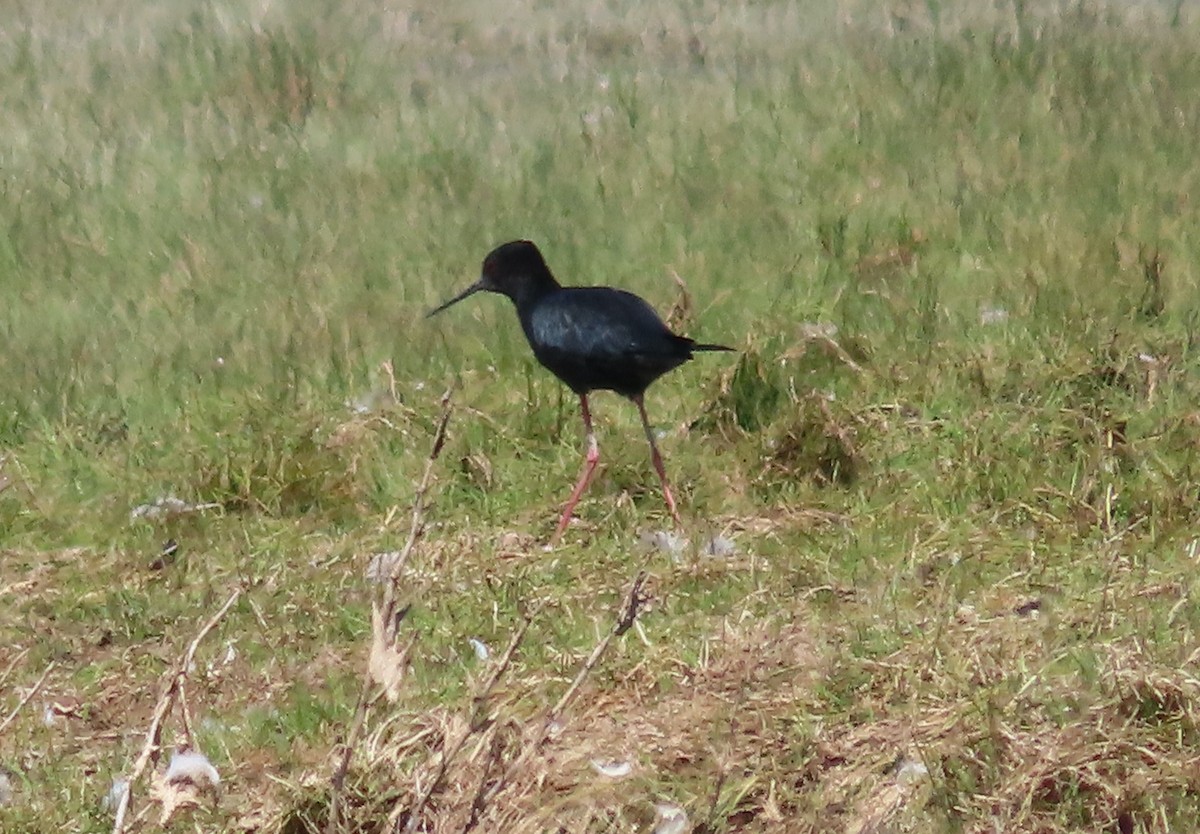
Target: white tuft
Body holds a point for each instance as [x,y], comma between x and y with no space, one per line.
[818,330]
[669,818]
[191,767]
[112,799]
[993,315]
[168,505]
[911,772]
[720,547]
[481,649]
[665,541]
[613,770]
[188,779]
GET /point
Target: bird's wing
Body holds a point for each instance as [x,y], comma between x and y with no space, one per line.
[597,324]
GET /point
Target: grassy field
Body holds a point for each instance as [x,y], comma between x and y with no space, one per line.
[957,453]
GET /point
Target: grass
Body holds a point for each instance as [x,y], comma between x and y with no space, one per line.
[957,450]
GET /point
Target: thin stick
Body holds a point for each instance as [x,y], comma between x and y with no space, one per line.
[495,751]
[506,658]
[13,663]
[338,780]
[478,722]
[633,605]
[416,527]
[28,696]
[186,715]
[390,619]
[165,701]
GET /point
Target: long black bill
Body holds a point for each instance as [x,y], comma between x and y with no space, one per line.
[471,290]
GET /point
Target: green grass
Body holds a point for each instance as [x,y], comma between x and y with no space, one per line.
[954,247]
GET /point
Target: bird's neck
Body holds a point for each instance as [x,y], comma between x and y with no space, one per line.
[531,291]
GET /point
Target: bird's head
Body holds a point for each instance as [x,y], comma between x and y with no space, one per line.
[515,269]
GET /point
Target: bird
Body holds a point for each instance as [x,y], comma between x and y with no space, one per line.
[592,339]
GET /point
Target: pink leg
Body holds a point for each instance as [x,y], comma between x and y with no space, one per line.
[657,458]
[585,477]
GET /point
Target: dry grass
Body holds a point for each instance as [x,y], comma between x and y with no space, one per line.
[977,720]
[952,465]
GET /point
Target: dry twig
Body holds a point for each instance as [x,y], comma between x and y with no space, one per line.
[479,721]
[479,802]
[166,700]
[388,615]
[13,663]
[28,697]
[416,528]
[634,603]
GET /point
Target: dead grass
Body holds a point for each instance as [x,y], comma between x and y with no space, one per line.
[685,723]
[976,724]
[955,455]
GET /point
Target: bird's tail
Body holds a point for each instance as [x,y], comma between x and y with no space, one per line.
[699,346]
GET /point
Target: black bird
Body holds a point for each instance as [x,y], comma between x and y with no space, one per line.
[592,338]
